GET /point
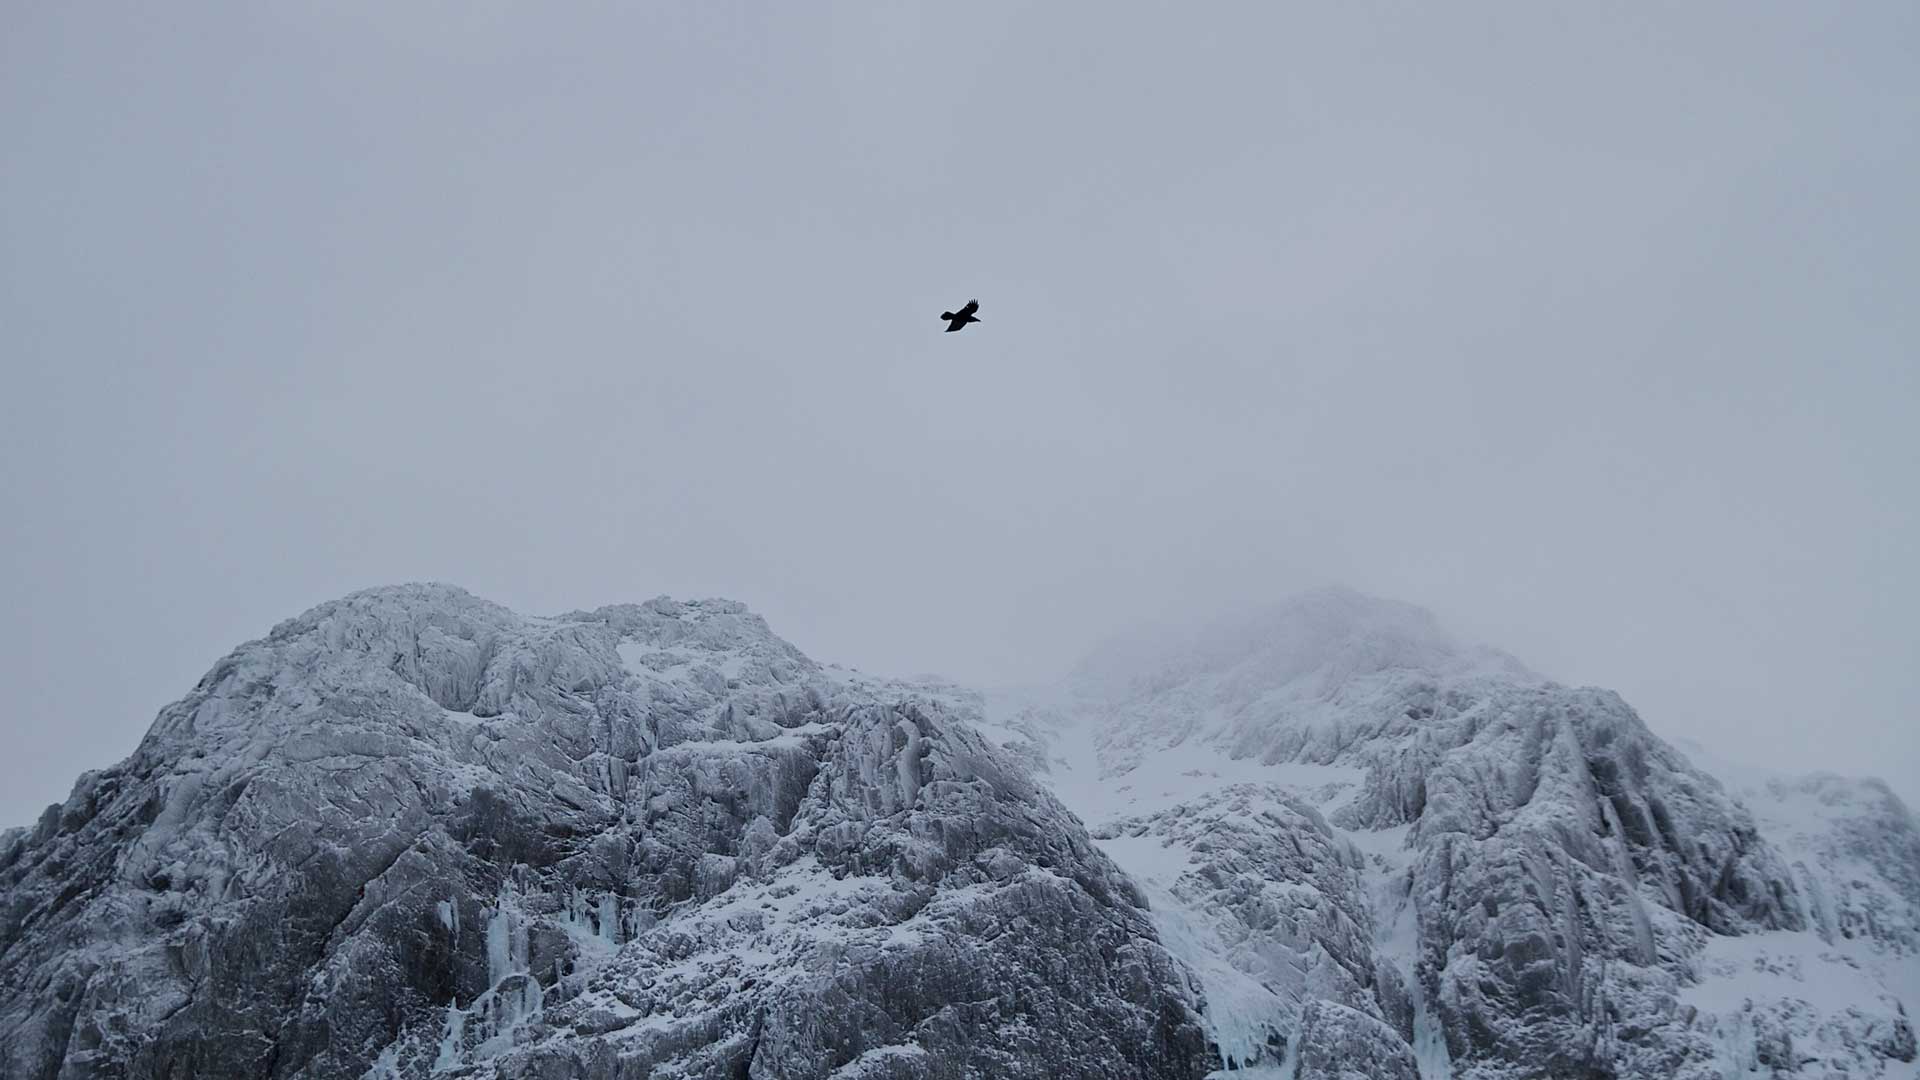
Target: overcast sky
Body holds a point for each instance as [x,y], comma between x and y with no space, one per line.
[1595,331]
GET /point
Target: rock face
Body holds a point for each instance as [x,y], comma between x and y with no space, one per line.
[1816,1002]
[1333,804]
[412,833]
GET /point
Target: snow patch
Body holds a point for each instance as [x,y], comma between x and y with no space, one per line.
[1736,971]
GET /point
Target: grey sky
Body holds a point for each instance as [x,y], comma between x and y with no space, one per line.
[1594,331]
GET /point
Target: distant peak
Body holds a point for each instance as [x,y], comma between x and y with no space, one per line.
[1333,630]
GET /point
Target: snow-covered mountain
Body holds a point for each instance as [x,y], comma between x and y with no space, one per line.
[1346,820]
[411,833]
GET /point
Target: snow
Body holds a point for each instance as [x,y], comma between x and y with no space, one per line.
[1156,740]
[785,737]
[633,655]
[1735,971]
[1174,774]
[1148,858]
[1830,1004]
[386,1066]
[1191,776]
[1231,775]
[859,1065]
[1184,779]
[1623,869]
[1851,845]
[1241,1012]
[682,661]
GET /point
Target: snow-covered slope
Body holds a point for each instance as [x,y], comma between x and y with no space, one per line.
[411,833]
[1348,822]
[1818,999]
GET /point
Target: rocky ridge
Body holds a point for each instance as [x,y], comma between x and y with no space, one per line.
[412,834]
[1364,818]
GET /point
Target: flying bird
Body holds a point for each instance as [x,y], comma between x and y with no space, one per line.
[958,319]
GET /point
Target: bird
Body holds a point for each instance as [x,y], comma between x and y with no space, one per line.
[958,319]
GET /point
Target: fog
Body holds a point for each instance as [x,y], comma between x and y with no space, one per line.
[1592,330]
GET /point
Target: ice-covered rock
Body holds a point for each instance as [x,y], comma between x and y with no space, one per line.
[1340,1043]
[1251,887]
[1836,998]
[1540,885]
[411,833]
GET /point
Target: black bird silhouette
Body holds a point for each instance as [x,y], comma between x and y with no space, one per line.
[958,319]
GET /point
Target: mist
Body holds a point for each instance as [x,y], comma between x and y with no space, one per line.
[1591,331]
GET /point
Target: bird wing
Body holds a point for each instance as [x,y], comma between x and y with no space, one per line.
[972,306]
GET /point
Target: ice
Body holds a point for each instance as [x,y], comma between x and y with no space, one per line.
[506,945]
[493,1022]
[1242,1015]
[1623,869]
[503,1011]
[909,763]
[386,1066]
[1429,1039]
[449,916]
[594,927]
[452,1042]
[610,918]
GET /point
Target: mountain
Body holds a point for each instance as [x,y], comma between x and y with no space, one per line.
[411,833]
[1347,821]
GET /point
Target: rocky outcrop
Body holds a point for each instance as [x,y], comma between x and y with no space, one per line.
[412,833]
[1552,887]
[1339,1043]
[1277,898]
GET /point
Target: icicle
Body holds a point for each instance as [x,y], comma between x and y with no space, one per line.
[450,1042]
[1289,1067]
[909,764]
[610,918]
[506,946]
[1429,1041]
[1623,868]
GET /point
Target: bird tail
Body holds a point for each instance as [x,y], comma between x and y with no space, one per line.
[946,314]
